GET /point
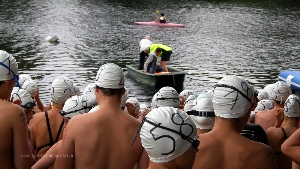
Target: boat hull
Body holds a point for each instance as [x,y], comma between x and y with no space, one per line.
[174,79]
[169,24]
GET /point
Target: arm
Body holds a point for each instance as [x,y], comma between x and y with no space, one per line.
[38,100]
[149,60]
[143,161]
[67,148]
[49,158]
[21,150]
[291,147]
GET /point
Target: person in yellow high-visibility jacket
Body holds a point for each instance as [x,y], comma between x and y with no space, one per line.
[165,55]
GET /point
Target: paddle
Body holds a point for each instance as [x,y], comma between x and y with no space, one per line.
[156,12]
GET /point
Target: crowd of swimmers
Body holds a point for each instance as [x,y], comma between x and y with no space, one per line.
[232,126]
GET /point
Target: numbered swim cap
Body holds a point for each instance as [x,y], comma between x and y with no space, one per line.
[76,105]
[186,93]
[61,89]
[8,67]
[233,97]
[280,91]
[22,95]
[264,105]
[90,92]
[110,76]
[76,90]
[23,78]
[30,86]
[203,112]
[269,88]
[166,96]
[292,106]
[188,104]
[263,95]
[135,102]
[166,133]
[94,109]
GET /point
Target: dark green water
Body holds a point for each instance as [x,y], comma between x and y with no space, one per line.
[254,39]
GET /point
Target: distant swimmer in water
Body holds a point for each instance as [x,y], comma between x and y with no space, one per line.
[14,148]
[233,99]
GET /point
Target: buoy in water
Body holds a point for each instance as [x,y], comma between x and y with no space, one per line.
[52,38]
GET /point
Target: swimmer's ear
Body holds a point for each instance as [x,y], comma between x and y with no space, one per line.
[123,91]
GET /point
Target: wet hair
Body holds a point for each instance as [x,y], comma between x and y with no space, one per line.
[110,92]
[158,50]
[162,14]
[1,82]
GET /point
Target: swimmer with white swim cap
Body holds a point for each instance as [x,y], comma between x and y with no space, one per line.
[169,136]
[279,93]
[202,113]
[23,78]
[90,92]
[166,96]
[44,123]
[124,99]
[13,126]
[133,106]
[86,131]
[72,107]
[264,105]
[183,95]
[263,95]
[287,125]
[233,99]
[188,104]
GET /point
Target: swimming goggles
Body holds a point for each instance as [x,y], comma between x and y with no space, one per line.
[16,77]
[201,113]
[29,105]
[63,113]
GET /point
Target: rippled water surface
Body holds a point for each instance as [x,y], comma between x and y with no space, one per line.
[255,40]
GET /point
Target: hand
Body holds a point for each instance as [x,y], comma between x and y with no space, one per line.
[142,114]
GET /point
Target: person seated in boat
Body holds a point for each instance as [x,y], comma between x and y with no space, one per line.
[165,55]
[162,18]
[151,66]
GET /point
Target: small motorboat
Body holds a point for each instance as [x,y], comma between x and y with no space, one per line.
[52,38]
[168,24]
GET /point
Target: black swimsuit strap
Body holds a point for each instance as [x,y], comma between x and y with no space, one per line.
[59,130]
[49,128]
[284,133]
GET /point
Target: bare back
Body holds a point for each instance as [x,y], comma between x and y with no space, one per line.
[266,119]
[14,147]
[277,136]
[232,151]
[40,133]
[103,139]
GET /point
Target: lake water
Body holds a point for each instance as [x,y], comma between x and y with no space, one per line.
[254,39]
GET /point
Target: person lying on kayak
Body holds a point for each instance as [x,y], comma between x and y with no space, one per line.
[162,18]
[150,65]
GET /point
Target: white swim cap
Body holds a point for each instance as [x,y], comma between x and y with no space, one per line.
[61,90]
[203,104]
[110,76]
[90,92]
[22,95]
[8,67]
[292,106]
[262,95]
[280,91]
[188,104]
[23,78]
[94,109]
[76,91]
[233,97]
[166,96]
[135,102]
[124,98]
[166,133]
[76,105]
[186,93]
[264,105]
[269,88]
[30,86]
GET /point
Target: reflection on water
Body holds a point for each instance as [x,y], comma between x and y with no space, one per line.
[255,40]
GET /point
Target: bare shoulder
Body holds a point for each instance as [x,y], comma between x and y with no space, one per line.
[37,118]
[12,110]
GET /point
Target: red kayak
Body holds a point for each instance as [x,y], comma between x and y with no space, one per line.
[168,24]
